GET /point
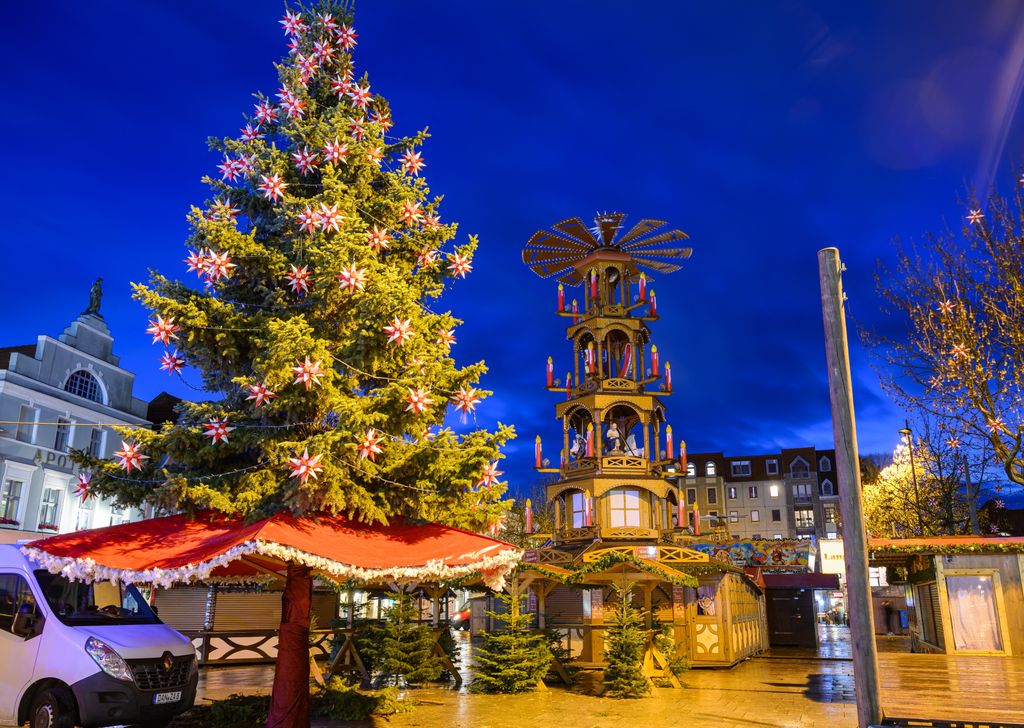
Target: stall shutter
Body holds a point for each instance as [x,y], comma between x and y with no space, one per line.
[325,609]
[184,608]
[237,611]
[564,605]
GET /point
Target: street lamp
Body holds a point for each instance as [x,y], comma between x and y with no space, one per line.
[913,472]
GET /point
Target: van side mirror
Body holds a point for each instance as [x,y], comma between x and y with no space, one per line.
[27,625]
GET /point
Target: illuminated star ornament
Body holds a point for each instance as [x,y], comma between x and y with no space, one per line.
[308,220]
[293,24]
[250,134]
[995,424]
[229,169]
[370,445]
[378,238]
[130,456]
[218,265]
[197,261]
[412,162]
[83,488]
[265,113]
[382,119]
[360,96]
[352,278]
[260,393]
[399,331]
[946,307]
[446,337]
[975,216]
[217,430]
[432,222]
[458,265]
[953,443]
[223,210]
[959,351]
[172,362]
[355,128]
[490,475]
[272,187]
[347,36]
[466,399]
[376,155]
[163,330]
[330,218]
[341,85]
[305,160]
[307,373]
[298,279]
[411,212]
[418,399]
[305,466]
[336,152]
[426,258]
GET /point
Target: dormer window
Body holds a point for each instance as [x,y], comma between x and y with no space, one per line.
[691,470]
[800,468]
[83,384]
[710,470]
[824,465]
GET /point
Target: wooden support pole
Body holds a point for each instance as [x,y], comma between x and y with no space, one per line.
[844,430]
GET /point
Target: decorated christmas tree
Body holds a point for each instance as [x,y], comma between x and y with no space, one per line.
[312,329]
[624,651]
[512,659]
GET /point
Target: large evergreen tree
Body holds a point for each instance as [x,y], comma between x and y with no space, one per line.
[327,371]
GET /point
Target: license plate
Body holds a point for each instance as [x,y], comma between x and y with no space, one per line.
[161,698]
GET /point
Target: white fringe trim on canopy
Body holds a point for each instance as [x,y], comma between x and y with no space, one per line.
[493,569]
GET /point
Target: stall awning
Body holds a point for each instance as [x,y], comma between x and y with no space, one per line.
[801,581]
[213,547]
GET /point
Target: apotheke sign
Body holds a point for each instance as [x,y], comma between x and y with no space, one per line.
[833,558]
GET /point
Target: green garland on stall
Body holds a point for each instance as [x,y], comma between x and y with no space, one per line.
[580,573]
[951,549]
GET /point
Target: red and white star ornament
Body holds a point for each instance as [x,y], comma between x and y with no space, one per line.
[298,279]
[251,134]
[307,373]
[419,399]
[347,36]
[328,22]
[336,152]
[265,113]
[294,107]
[399,331]
[426,258]
[412,162]
[323,52]
[383,119]
[305,466]
[130,455]
[411,212]
[163,330]
[272,187]
[260,393]
[308,220]
[360,96]
[172,362]
[293,23]
[198,261]
[83,488]
[975,216]
[959,351]
[378,238]
[369,448]
[229,169]
[946,307]
[432,222]
[306,64]
[293,46]
[458,265]
[305,160]
[246,163]
[223,210]
[376,155]
[446,337]
[218,265]
[466,399]
[352,278]
[330,218]
[490,475]
[995,424]
[217,430]
[341,85]
[356,129]
[953,443]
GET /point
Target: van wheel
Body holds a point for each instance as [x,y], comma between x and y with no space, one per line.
[53,708]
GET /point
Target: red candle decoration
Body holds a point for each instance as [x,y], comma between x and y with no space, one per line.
[682,456]
[568,385]
[589,358]
[593,283]
[537,453]
[561,298]
[696,519]
[643,287]
[551,373]
[588,511]
[528,517]
[654,304]
[575,311]
[668,377]
[654,360]
[590,440]
[669,447]
[627,360]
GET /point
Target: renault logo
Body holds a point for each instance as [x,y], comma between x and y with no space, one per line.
[167,661]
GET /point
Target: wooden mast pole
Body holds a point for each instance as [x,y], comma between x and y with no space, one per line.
[862,631]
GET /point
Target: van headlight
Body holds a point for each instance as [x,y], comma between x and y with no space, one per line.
[108,660]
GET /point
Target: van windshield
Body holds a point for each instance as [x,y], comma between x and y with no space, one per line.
[102,602]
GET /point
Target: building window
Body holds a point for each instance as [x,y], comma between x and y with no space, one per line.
[60,440]
[772,466]
[804,517]
[578,509]
[752,491]
[691,495]
[96,443]
[800,468]
[84,518]
[739,467]
[777,536]
[827,488]
[10,499]
[118,515]
[710,470]
[26,423]
[624,508]
[83,384]
[712,495]
[49,513]
[732,492]
[773,491]
[801,492]
[734,517]
[824,465]
[776,515]
[831,513]
[691,470]
[755,516]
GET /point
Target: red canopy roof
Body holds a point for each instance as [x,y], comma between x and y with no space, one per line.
[211,547]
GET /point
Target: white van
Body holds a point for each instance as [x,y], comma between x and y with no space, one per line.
[86,654]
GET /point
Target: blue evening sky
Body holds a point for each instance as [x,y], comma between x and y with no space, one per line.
[766,130]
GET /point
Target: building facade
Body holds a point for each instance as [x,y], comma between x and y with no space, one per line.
[55,395]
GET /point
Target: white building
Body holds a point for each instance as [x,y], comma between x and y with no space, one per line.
[55,395]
